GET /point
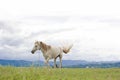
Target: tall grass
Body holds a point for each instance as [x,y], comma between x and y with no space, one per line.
[38,73]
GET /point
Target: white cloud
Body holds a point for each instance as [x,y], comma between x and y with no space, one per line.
[12,9]
[93,39]
[93,27]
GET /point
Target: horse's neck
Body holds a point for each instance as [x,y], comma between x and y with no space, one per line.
[45,48]
[43,51]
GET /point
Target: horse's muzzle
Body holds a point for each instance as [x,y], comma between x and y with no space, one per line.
[32,52]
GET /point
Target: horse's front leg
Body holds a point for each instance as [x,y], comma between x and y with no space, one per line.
[47,62]
[54,62]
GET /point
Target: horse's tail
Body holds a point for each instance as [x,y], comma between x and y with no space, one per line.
[67,49]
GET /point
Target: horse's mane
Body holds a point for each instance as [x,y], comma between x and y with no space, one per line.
[45,46]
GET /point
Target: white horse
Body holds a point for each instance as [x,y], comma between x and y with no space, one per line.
[50,52]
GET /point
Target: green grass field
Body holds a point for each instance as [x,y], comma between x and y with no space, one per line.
[37,73]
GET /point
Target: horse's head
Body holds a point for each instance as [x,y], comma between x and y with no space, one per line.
[36,47]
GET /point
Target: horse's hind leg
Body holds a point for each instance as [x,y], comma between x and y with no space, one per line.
[60,61]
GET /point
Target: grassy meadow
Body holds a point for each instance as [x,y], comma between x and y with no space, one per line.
[38,73]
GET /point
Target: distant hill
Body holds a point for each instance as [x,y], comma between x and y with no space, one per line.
[65,63]
[16,63]
[98,65]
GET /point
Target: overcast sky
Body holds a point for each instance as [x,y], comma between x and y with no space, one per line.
[93,27]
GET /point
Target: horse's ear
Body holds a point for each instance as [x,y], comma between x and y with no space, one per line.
[40,42]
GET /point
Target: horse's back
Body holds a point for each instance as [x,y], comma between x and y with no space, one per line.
[55,51]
